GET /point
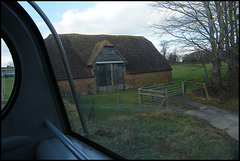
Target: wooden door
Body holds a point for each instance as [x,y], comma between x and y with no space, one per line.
[103,75]
[109,77]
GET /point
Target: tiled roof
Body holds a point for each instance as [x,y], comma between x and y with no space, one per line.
[140,54]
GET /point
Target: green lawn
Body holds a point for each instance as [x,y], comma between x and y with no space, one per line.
[141,131]
[182,72]
[189,72]
[138,131]
[6,89]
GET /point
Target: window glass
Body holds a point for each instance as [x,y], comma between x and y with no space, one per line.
[71,109]
[108,71]
[7,74]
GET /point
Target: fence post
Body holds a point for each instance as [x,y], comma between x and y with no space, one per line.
[183,88]
[152,98]
[139,96]
[166,98]
[205,88]
[91,111]
[119,103]
[93,108]
[201,90]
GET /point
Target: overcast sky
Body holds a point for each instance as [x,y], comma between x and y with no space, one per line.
[104,17]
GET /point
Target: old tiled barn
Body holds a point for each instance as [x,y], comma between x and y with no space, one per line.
[105,63]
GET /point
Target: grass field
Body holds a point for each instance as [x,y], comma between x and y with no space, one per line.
[183,72]
[189,72]
[138,131]
[6,89]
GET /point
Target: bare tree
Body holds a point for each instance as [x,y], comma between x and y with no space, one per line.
[231,33]
[203,25]
[173,58]
[164,45]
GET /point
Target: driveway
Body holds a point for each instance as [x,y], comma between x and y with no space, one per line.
[218,118]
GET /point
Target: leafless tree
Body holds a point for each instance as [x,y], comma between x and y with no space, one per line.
[164,45]
[212,26]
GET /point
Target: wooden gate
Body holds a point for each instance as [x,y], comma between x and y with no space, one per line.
[156,94]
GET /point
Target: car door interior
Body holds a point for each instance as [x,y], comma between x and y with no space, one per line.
[34,123]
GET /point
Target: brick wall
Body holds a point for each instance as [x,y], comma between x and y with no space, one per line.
[88,85]
[146,79]
[83,86]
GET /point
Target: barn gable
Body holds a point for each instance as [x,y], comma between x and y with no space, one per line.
[104,51]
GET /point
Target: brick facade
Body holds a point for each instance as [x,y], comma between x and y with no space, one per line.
[88,85]
[83,86]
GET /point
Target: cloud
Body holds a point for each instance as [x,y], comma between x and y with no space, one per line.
[5,54]
[130,18]
[113,18]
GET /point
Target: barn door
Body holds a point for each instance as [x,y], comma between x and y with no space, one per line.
[109,77]
[117,70]
[103,75]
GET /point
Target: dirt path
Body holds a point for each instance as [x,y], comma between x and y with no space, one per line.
[218,118]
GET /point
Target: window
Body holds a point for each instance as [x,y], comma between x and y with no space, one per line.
[109,97]
[7,74]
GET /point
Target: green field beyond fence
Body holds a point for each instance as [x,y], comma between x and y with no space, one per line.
[189,72]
